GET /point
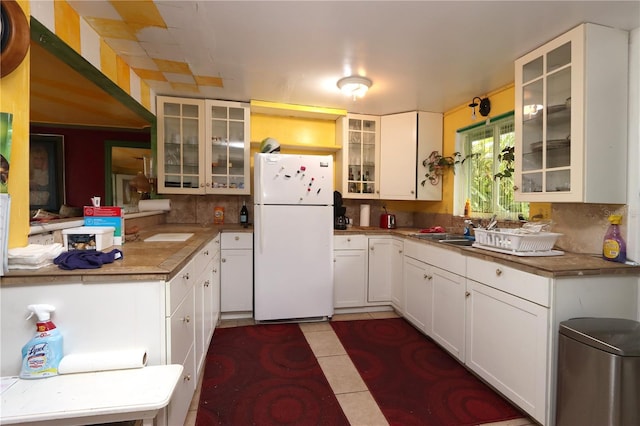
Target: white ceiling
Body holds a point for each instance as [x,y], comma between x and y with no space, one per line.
[426,55]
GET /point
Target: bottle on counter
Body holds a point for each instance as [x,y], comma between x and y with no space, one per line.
[43,353]
[614,247]
[244,215]
[467,208]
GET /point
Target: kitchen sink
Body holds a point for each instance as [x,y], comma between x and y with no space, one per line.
[460,242]
[453,239]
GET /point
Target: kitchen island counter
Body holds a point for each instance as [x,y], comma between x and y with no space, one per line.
[141,260]
[569,264]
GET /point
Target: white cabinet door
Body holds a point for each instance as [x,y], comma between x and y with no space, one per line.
[381,250]
[357,169]
[429,140]
[236,280]
[398,144]
[396,263]
[448,311]
[418,288]
[350,278]
[506,345]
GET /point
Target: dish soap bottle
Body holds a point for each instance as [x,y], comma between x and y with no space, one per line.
[613,246]
[42,354]
[244,215]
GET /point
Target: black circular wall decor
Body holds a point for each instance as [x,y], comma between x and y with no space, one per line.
[14,36]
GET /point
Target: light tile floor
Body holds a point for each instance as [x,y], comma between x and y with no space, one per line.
[349,388]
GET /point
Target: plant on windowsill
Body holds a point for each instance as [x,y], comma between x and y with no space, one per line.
[437,164]
[506,157]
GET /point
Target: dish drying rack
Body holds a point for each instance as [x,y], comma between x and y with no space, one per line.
[515,241]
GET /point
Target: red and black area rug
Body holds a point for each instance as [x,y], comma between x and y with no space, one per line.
[265,375]
[414,381]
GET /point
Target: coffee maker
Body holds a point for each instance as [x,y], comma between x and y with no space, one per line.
[339,212]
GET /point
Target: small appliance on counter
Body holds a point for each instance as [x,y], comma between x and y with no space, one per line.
[387,220]
[339,211]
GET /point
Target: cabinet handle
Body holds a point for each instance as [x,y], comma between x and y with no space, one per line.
[498,272]
[348,240]
[467,294]
[206,283]
[515,187]
[371,248]
[202,185]
[206,252]
[186,319]
[412,191]
[185,276]
[215,270]
[400,251]
[223,260]
[428,277]
[187,378]
[237,238]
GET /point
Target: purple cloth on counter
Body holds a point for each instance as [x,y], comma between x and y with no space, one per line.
[86,259]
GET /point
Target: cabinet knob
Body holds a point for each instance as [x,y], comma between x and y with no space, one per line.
[516,187]
[412,192]
[185,276]
[215,270]
[371,248]
[428,277]
[202,185]
[206,252]
[348,240]
[186,319]
[187,378]
[467,294]
[237,238]
[498,272]
[223,260]
[206,283]
[400,251]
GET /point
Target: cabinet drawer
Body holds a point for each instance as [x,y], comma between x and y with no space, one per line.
[179,286]
[349,242]
[178,408]
[236,240]
[518,283]
[180,330]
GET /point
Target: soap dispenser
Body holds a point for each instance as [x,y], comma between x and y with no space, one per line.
[613,247]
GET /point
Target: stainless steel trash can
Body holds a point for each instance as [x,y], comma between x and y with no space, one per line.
[598,372]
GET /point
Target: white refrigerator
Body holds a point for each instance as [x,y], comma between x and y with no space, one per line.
[293,237]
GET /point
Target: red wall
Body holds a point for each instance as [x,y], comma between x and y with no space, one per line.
[84,159]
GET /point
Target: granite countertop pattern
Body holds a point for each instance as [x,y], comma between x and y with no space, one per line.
[567,265]
[162,260]
[141,260]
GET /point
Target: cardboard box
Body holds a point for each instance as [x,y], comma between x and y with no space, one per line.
[88,237]
[106,216]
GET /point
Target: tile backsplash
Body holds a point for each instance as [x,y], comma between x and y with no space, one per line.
[583,225]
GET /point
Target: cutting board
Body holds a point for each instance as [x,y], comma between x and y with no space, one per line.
[170,236]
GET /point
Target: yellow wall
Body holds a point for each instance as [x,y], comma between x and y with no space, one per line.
[14,98]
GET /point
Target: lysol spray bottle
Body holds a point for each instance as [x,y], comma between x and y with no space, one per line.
[42,354]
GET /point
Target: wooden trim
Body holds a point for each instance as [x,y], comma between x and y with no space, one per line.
[15,37]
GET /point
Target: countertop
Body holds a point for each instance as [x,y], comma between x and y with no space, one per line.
[569,264]
[162,260]
[141,260]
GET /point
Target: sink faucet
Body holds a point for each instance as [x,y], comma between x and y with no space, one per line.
[467,228]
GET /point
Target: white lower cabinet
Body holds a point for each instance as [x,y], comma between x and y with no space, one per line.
[448,312]
[418,287]
[236,272]
[507,345]
[385,268]
[207,299]
[349,271]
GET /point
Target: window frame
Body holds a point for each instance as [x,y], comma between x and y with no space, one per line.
[463,176]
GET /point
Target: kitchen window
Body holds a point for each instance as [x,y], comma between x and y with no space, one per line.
[481,145]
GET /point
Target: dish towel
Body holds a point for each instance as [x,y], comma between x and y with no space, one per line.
[86,259]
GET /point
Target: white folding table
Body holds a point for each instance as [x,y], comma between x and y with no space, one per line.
[85,398]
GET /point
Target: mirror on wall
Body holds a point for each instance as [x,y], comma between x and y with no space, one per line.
[123,161]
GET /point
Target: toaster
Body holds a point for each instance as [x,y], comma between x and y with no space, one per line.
[387,221]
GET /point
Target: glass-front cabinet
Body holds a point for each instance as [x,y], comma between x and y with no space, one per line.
[359,173]
[569,128]
[203,146]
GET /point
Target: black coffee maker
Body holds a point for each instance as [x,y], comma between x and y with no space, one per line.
[339,211]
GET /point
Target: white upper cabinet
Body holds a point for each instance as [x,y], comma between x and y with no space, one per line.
[358,171]
[203,146]
[406,140]
[571,118]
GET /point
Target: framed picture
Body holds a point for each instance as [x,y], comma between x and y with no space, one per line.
[46,172]
[121,190]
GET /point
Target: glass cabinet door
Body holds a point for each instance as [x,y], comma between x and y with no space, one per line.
[362,156]
[229,147]
[180,143]
[546,122]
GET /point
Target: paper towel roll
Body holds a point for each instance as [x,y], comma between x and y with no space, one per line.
[154,205]
[102,361]
[365,212]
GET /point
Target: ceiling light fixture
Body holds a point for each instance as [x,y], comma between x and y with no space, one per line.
[484,107]
[355,86]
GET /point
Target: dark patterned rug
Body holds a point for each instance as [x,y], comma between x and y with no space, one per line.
[414,381]
[265,375]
